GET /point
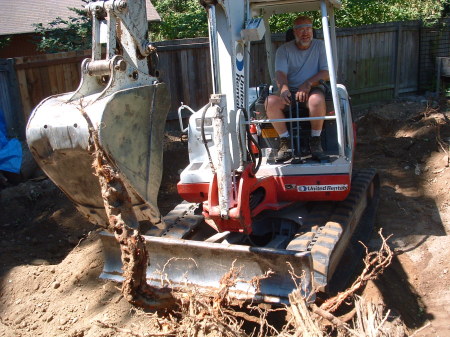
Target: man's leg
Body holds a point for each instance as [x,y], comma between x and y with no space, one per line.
[317,108]
[274,110]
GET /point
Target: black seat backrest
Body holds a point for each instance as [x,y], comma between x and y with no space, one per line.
[289,35]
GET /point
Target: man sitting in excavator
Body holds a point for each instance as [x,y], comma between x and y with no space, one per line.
[300,65]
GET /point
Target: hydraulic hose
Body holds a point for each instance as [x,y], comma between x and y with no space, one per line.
[205,142]
[257,165]
[252,140]
[239,134]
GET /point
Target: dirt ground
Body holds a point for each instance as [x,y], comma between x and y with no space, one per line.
[51,256]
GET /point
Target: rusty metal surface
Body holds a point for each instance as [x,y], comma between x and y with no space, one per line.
[177,264]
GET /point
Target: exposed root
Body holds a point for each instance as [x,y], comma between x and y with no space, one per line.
[205,316]
[256,281]
[199,316]
[124,225]
[375,263]
[304,323]
[328,316]
[369,320]
[310,320]
[421,329]
[226,282]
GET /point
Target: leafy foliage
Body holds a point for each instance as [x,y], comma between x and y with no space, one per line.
[364,12]
[180,19]
[62,35]
[4,41]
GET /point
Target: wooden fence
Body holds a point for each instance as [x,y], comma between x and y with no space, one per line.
[376,63]
[45,75]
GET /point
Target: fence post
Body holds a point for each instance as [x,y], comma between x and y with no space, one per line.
[398,59]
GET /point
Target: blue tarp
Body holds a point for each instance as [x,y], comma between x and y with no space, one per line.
[10,150]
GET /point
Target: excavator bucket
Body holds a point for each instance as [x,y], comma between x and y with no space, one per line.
[130,126]
[120,101]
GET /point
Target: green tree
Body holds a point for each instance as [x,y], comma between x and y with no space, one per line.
[179,19]
[365,12]
[62,35]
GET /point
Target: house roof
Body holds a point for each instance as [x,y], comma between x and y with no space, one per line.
[17,16]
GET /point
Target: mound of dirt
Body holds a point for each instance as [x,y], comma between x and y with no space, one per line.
[52,257]
[409,145]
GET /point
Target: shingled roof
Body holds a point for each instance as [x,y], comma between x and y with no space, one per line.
[17,17]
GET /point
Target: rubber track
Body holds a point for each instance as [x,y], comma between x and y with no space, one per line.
[328,242]
[179,222]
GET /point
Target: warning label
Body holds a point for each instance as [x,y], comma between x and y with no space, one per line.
[322,188]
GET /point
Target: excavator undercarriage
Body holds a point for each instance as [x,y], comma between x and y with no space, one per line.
[186,253]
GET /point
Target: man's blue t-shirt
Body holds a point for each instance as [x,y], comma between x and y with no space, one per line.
[300,65]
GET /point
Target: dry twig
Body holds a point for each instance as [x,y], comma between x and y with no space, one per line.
[369,319]
[375,263]
[226,282]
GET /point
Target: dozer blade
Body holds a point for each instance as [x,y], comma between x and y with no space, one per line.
[263,274]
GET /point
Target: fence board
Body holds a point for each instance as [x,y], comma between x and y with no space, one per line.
[24,93]
[410,60]
[45,75]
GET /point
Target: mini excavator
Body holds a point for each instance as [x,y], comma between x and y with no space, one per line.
[279,226]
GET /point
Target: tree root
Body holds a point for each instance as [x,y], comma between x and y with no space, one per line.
[375,263]
[123,223]
[311,320]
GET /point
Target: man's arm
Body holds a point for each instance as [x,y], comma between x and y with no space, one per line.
[305,87]
[321,75]
[282,83]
